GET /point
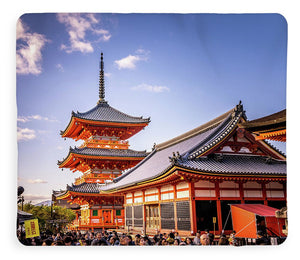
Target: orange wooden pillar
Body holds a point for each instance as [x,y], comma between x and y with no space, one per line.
[264,193]
[193,216]
[175,206]
[159,209]
[219,208]
[241,189]
[144,213]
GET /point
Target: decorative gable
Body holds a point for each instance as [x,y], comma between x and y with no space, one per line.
[243,142]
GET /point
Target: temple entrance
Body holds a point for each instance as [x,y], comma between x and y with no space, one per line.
[206,213]
[107,216]
[152,216]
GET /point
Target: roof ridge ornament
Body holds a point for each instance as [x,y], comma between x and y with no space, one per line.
[101,81]
[154,147]
[175,158]
[239,109]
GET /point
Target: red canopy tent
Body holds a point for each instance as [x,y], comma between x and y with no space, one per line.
[244,220]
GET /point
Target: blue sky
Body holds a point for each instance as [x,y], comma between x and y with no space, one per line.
[181,70]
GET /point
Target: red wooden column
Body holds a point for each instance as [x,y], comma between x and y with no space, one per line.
[159,193]
[175,207]
[219,209]
[77,216]
[144,212]
[159,210]
[264,193]
[193,208]
[175,192]
[241,191]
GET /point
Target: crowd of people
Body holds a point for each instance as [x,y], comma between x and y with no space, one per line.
[106,238]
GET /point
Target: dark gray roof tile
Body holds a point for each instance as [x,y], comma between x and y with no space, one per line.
[193,144]
[156,162]
[85,188]
[108,152]
[236,164]
[106,113]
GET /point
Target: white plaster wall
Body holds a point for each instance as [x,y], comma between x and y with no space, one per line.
[205,193]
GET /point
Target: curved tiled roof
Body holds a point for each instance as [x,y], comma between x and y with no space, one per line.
[190,146]
[196,131]
[108,152]
[89,188]
[236,164]
[85,188]
[274,120]
[106,113]
[222,131]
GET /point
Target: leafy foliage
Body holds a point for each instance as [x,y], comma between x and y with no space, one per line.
[51,218]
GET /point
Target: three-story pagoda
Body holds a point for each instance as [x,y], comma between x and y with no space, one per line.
[103,156]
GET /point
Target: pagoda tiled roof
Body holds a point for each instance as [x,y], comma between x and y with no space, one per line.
[83,125]
[85,188]
[58,193]
[105,113]
[188,149]
[108,152]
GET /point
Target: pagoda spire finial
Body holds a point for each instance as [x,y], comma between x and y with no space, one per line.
[101,81]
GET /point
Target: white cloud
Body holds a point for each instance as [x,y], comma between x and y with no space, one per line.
[25,134]
[92,18]
[77,26]
[36,181]
[105,38]
[105,35]
[37,117]
[151,88]
[24,119]
[130,61]
[60,67]
[127,62]
[29,50]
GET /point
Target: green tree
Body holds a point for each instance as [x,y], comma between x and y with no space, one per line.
[52,219]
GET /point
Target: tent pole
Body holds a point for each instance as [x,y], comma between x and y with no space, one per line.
[226,219]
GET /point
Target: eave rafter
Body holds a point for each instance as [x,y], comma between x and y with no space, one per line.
[177,174]
[83,129]
[279,136]
[82,163]
[264,147]
[190,176]
[92,198]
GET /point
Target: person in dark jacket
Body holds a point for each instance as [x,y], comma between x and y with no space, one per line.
[262,239]
[99,240]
